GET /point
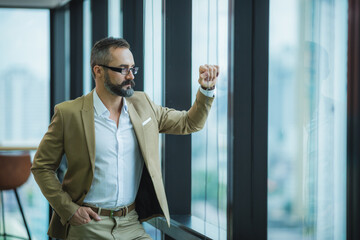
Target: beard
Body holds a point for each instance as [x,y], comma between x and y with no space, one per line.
[118,89]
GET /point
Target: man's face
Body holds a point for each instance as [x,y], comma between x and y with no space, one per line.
[115,82]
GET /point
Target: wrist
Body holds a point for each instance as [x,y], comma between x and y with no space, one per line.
[208,88]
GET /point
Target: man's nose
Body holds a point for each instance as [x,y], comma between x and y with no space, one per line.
[130,75]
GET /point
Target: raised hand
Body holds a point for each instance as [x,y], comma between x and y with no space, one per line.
[208,75]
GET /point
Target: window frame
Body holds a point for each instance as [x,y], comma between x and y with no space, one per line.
[133,31]
[353,123]
[248,105]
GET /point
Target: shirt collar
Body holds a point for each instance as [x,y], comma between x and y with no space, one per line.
[100,108]
[125,106]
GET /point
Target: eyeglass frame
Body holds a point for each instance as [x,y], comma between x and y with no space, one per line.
[134,70]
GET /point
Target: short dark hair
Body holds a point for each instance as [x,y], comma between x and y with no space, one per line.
[100,53]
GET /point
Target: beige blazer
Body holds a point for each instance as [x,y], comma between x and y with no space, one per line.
[72,132]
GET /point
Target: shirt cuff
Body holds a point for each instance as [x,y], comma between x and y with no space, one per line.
[208,93]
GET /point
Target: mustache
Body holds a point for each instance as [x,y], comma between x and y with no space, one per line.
[128,82]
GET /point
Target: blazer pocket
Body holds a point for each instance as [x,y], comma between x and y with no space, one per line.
[149,126]
[146,122]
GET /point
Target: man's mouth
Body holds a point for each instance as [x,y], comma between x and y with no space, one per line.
[128,84]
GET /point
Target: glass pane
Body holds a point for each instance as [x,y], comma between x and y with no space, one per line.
[153,69]
[24,71]
[67,53]
[115,18]
[209,146]
[24,105]
[153,45]
[154,232]
[87,47]
[307,120]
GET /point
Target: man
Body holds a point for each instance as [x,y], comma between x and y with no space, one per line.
[110,139]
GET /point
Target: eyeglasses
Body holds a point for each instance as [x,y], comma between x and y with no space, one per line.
[123,71]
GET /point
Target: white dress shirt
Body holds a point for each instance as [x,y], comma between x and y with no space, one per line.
[118,161]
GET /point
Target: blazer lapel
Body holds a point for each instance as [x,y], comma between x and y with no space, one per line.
[139,131]
[87,114]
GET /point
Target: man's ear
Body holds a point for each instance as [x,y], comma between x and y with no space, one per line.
[98,71]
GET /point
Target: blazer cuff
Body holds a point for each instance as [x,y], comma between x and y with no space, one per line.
[204,99]
[67,215]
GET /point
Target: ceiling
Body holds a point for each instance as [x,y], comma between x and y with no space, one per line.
[33,3]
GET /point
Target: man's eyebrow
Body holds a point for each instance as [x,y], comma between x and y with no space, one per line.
[126,65]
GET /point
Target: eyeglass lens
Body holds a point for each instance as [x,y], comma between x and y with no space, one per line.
[126,71]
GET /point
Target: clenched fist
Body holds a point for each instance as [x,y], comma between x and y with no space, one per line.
[208,75]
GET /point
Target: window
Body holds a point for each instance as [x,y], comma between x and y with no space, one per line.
[209,146]
[153,68]
[24,105]
[153,57]
[115,18]
[307,120]
[87,87]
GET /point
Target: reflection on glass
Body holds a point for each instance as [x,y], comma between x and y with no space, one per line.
[307,120]
[209,146]
[24,105]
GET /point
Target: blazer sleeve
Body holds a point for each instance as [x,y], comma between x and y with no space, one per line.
[46,161]
[183,122]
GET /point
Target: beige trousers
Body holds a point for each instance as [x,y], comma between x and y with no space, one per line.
[119,228]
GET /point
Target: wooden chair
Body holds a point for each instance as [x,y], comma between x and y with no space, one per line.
[14,172]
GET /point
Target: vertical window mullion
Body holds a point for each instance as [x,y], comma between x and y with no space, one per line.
[76,49]
[99,17]
[247,136]
[178,95]
[133,32]
[99,22]
[353,123]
